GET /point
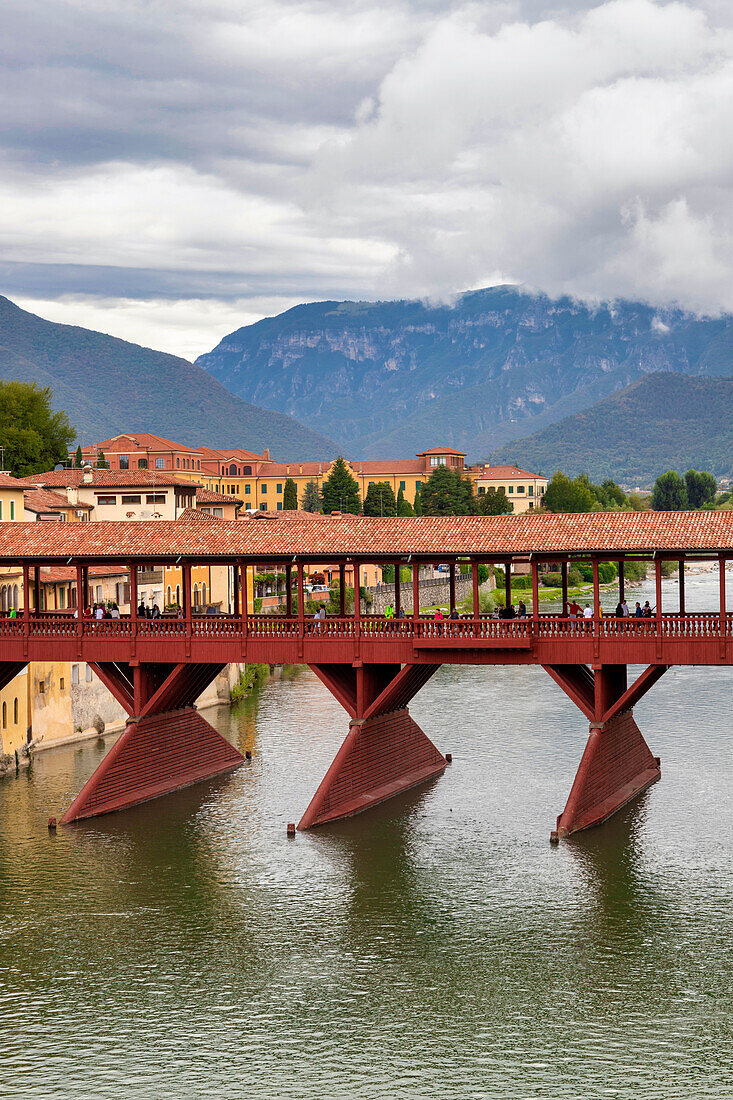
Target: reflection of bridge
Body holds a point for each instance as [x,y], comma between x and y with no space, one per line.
[157,668]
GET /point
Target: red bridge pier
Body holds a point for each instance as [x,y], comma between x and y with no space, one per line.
[166,744]
[617,764]
[385,751]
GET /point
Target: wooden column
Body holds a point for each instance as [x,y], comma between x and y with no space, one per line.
[596,588]
[301,593]
[681,565]
[534,566]
[132,570]
[85,601]
[508,584]
[289,590]
[244,610]
[342,590]
[186,589]
[564,586]
[415,591]
[235,586]
[658,580]
[79,600]
[26,590]
[357,593]
[452,585]
[721,582]
[37,589]
[397,590]
[474,579]
[621,581]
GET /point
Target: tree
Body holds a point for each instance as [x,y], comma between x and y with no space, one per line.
[447,493]
[669,493]
[312,499]
[417,506]
[565,495]
[290,496]
[380,500]
[102,463]
[78,458]
[494,502]
[404,508]
[341,490]
[33,437]
[701,488]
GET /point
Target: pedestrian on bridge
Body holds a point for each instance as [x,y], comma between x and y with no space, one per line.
[522,610]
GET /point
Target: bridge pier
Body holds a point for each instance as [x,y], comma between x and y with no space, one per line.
[385,752]
[617,764]
[166,744]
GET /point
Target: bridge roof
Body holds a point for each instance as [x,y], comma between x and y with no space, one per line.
[329,538]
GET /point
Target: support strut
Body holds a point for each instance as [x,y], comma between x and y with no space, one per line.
[166,744]
[617,763]
[385,752]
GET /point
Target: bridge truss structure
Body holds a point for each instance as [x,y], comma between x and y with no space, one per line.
[157,668]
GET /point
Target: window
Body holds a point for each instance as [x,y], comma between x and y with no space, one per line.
[62,598]
[481,490]
[155,498]
[74,675]
[232,471]
[511,488]
[247,490]
[106,500]
[160,464]
[41,691]
[501,489]
[1,509]
[279,489]
[418,485]
[99,593]
[530,490]
[178,463]
[5,716]
[520,488]
[264,489]
[218,512]
[12,509]
[195,595]
[142,464]
[15,712]
[88,674]
[61,683]
[232,490]
[402,486]
[279,506]
[131,498]
[531,504]
[124,462]
[247,471]
[263,506]
[198,464]
[178,595]
[437,460]
[203,594]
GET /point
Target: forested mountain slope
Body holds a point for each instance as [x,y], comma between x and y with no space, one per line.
[390,378]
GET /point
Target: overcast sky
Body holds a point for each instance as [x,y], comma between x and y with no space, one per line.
[172,169]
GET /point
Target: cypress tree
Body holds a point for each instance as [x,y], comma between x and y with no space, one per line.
[417,506]
[404,508]
[102,462]
[78,458]
[290,495]
[341,490]
[380,500]
[312,500]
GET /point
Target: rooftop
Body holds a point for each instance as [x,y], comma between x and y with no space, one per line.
[7,481]
[106,479]
[127,441]
[493,472]
[45,500]
[435,538]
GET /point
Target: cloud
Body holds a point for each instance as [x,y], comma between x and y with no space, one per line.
[194,158]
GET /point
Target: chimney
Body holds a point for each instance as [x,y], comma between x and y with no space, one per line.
[301,469]
[72,494]
[335,514]
[287,470]
[266,454]
[87,475]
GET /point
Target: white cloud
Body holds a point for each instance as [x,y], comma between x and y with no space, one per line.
[179,163]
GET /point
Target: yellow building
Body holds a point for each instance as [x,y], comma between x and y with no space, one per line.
[525,491]
[13,697]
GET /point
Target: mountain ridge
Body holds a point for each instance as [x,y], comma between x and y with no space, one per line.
[107,385]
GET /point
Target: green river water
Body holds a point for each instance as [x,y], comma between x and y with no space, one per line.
[436,947]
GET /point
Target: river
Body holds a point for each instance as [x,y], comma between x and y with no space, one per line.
[437,947]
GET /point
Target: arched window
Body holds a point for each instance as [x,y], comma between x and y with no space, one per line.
[246,471]
[15,712]
[178,463]
[4,598]
[16,597]
[178,594]
[195,595]
[203,594]
[5,716]
[233,468]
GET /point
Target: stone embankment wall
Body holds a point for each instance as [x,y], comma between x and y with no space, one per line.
[435,590]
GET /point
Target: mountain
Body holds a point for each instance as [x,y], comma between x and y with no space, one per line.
[661,422]
[108,386]
[391,378]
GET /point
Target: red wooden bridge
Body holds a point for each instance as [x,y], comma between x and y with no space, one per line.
[374,667]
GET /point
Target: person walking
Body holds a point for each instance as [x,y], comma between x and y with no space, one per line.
[522,610]
[637,611]
[439,616]
[114,611]
[587,612]
[619,610]
[98,611]
[625,607]
[141,611]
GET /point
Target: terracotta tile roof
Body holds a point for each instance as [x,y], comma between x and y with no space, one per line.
[493,472]
[192,515]
[7,481]
[208,496]
[54,574]
[44,500]
[231,453]
[127,441]
[441,451]
[328,538]
[367,467]
[106,479]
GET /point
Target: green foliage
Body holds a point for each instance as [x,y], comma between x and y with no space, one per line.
[33,437]
[669,493]
[102,463]
[447,493]
[635,570]
[380,500]
[341,490]
[290,496]
[312,499]
[252,677]
[417,505]
[404,508]
[388,574]
[551,580]
[701,488]
[78,458]
[494,502]
[566,495]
